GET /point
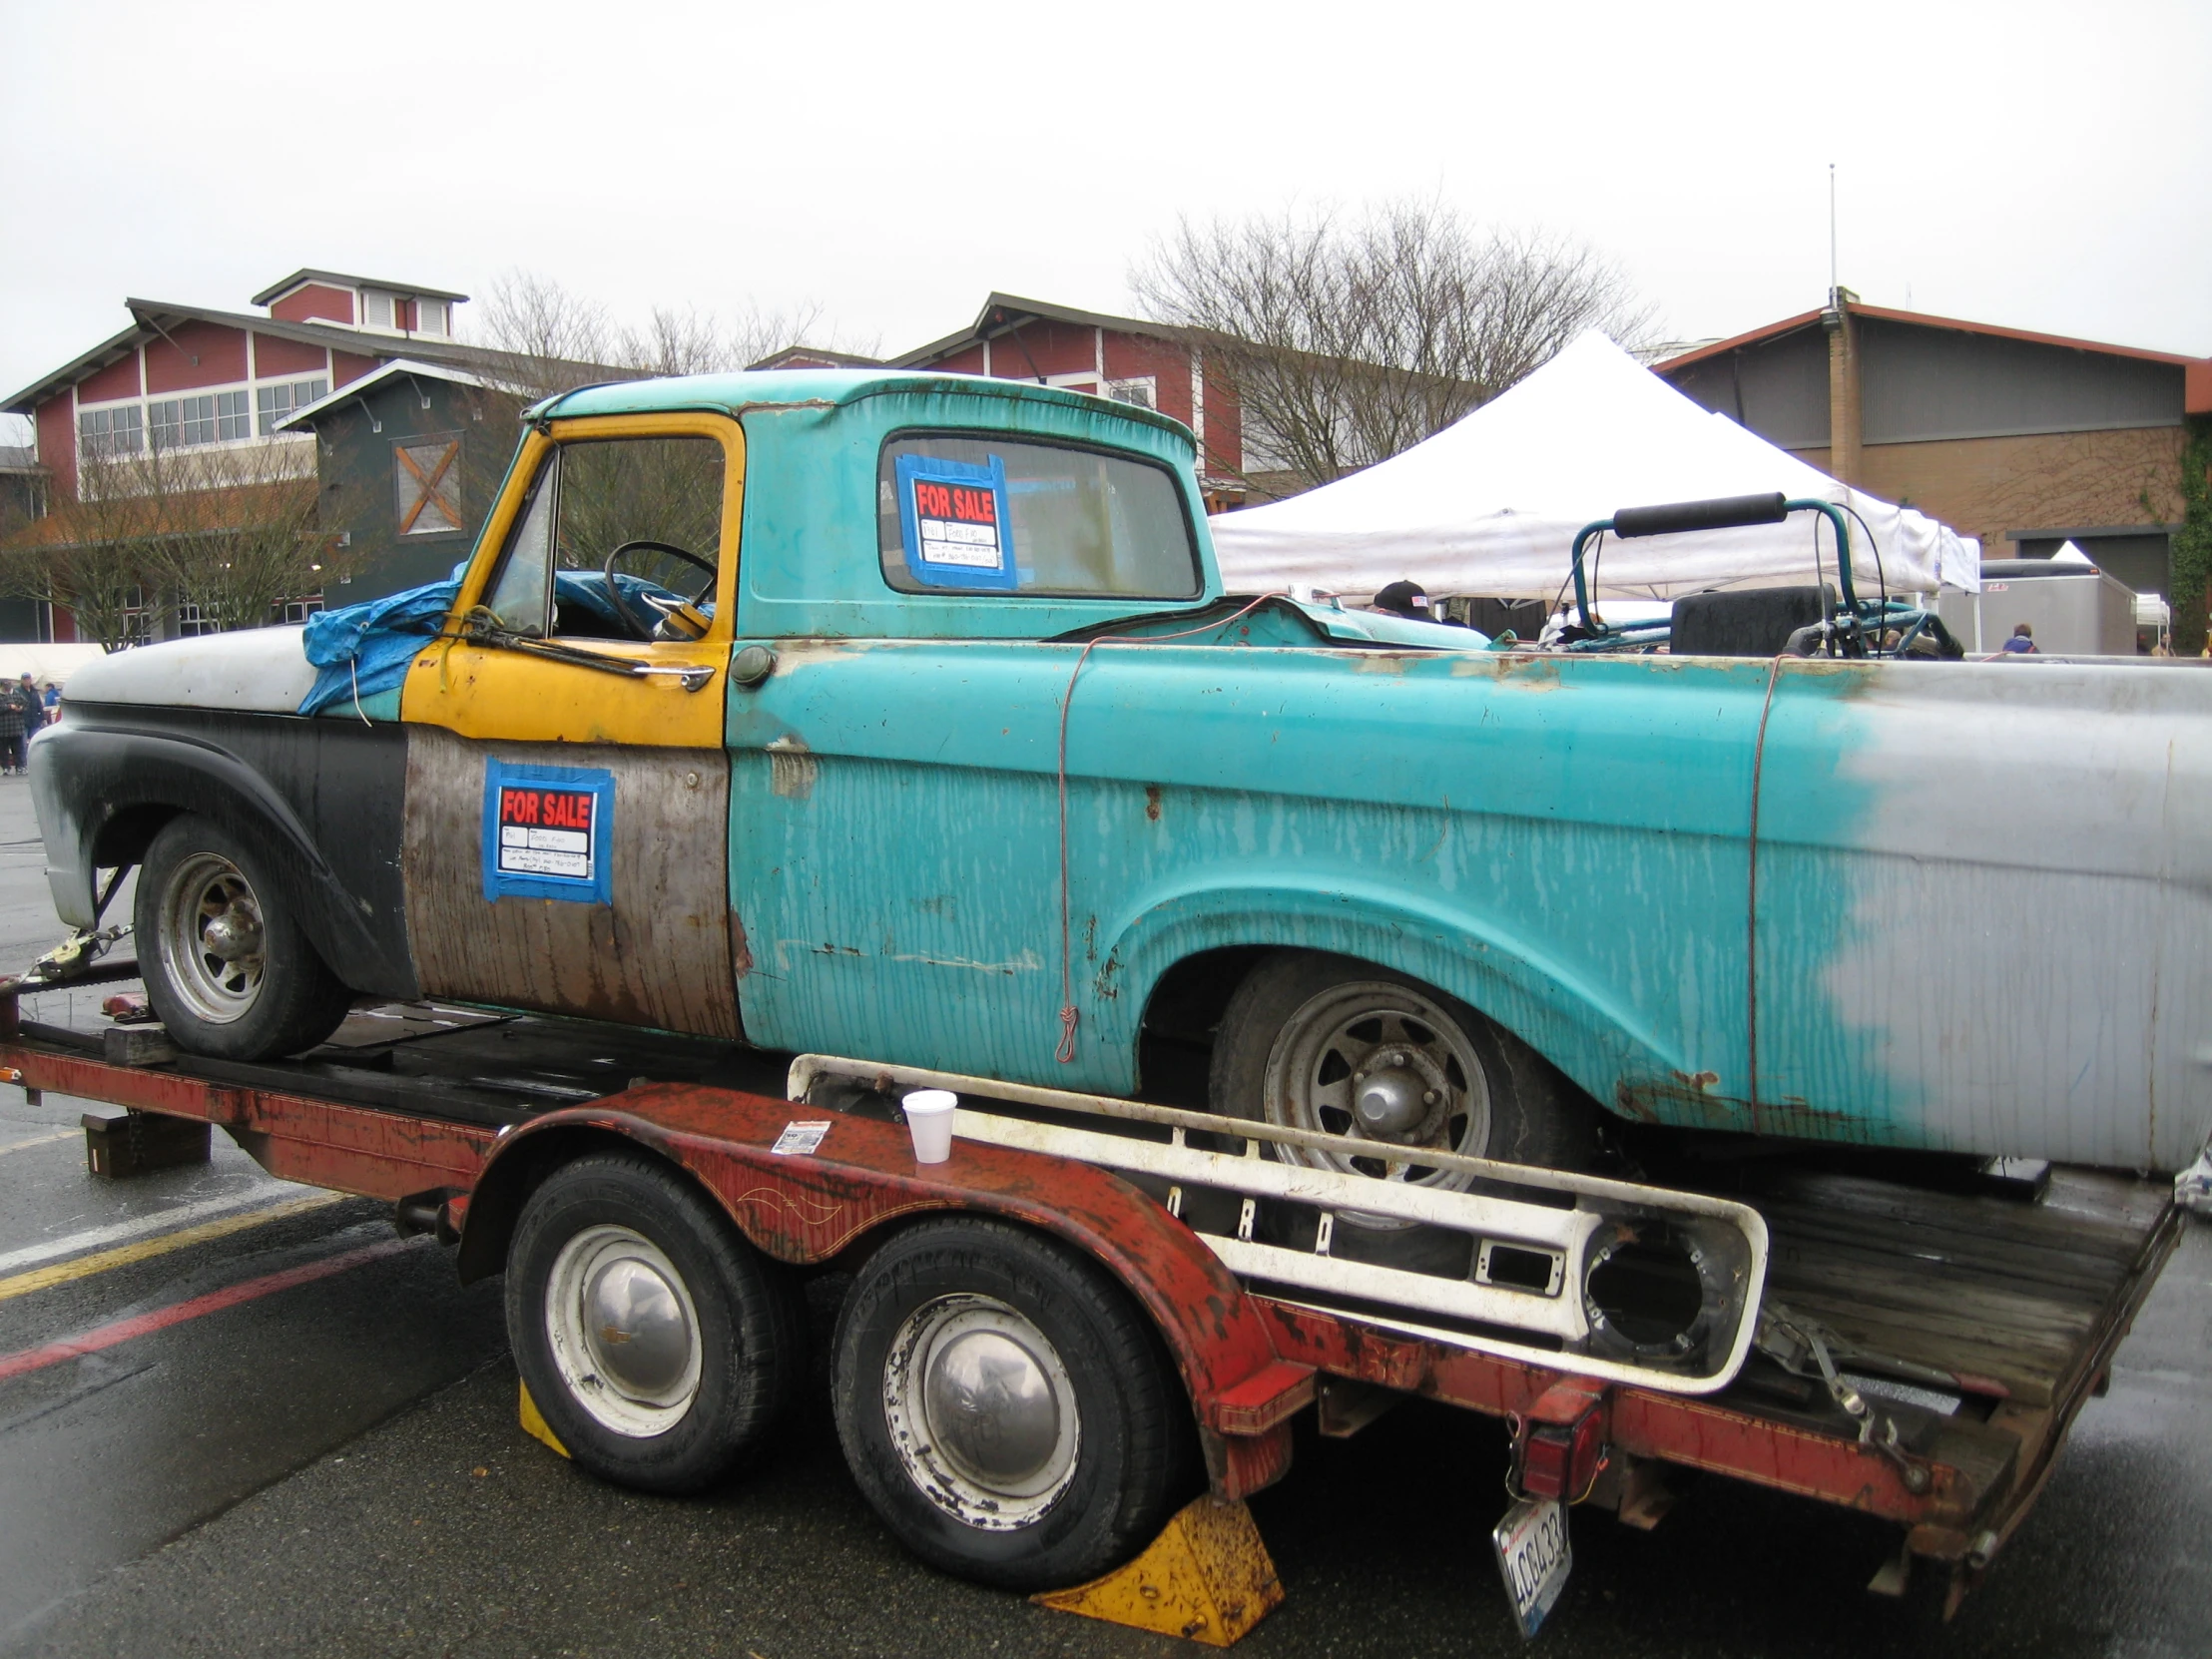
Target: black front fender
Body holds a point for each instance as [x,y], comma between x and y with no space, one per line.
[320,802]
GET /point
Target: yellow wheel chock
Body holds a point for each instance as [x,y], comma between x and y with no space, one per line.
[536,1427]
[1207,1577]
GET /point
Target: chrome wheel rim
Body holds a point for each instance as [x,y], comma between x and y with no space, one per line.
[623,1330]
[1377,1062]
[211,939]
[982,1413]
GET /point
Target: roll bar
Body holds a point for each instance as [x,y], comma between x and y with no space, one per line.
[1726,512]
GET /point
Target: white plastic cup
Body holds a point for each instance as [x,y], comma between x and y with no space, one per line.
[929,1121]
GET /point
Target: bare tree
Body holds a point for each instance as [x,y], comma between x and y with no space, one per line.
[1345,343]
[227,529]
[550,339]
[84,559]
[233,530]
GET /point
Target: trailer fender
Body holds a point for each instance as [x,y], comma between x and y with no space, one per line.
[810,1209]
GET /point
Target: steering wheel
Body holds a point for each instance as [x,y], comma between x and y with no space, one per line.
[651,631]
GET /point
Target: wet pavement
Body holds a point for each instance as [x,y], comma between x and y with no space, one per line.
[296,1435]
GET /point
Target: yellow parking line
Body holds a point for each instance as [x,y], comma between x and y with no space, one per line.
[40,1140]
[38,1279]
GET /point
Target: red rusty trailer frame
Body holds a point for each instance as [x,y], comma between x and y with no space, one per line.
[1959,1487]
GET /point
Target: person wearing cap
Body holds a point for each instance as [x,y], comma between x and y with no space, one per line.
[2023,641]
[25,693]
[1406,598]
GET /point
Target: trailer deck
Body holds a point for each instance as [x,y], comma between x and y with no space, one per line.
[1927,1336]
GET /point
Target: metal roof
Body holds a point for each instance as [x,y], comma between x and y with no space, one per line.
[1004,313]
[151,315]
[308,274]
[304,418]
[1921,319]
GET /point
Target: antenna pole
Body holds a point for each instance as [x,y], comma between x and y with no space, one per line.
[1833,281]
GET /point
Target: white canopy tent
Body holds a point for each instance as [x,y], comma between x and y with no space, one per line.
[1490,505]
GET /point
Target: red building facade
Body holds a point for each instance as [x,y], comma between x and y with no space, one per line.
[184,376]
[1119,357]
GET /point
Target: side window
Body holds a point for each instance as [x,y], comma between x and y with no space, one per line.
[627,533]
[518,596]
[977,514]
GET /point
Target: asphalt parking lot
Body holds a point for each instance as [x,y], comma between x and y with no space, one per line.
[241,1417]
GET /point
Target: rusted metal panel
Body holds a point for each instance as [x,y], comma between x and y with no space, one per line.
[348,1149]
[1566,845]
[657,955]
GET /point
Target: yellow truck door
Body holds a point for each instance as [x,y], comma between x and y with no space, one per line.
[567,812]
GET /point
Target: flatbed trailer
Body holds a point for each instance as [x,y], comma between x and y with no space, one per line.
[1927,1336]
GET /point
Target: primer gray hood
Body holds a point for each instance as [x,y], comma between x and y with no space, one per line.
[261,669]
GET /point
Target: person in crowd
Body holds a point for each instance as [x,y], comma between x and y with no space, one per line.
[11,733]
[25,692]
[2022,642]
[1405,599]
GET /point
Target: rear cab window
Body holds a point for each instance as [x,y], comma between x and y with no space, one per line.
[986,515]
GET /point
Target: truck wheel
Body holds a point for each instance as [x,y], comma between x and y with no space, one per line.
[226,968]
[1005,1407]
[1342,1047]
[658,1344]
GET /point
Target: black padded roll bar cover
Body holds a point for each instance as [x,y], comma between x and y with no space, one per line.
[1726,512]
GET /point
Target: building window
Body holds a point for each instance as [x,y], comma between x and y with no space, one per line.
[377,311]
[426,475]
[106,433]
[430,316]
[217,417]
[191,623]
[232,420]
[1139,393]
[279,401]
[138,618]
[298,610]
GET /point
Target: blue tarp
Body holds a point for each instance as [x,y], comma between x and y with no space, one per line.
[365,649]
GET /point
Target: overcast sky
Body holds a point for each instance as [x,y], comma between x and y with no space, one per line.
[2045,167]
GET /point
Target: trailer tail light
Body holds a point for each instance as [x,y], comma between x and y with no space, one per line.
[1561,1443]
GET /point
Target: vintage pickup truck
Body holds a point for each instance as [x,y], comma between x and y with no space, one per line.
[903,716]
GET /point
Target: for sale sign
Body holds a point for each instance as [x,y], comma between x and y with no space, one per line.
[952,518]
[547,832]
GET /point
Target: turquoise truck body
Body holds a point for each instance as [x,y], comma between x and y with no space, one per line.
[1956,907]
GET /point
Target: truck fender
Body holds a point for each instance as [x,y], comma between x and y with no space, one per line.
[150,776]
[1591,1035]
[810,1210]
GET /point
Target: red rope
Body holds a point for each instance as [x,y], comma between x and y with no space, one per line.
[1069,1017]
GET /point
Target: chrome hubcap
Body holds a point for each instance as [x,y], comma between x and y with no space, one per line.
[1379,1061]
[624,1332]
[211,939]
[981,1411]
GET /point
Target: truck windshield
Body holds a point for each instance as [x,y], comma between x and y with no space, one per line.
[986,515]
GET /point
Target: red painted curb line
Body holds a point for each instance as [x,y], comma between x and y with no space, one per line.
[161,1319]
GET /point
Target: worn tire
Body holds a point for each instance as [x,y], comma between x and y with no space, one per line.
[597,1219]
[277,997]
[1095,1498]
[1498,1098]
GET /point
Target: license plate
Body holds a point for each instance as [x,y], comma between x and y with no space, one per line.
[1534,1557]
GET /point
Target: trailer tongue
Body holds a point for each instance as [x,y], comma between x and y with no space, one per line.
[1910,1341]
